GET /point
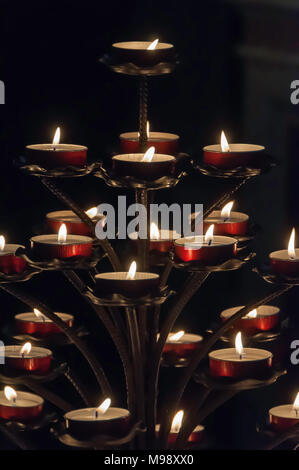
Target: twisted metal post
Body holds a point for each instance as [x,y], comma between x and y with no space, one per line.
[141,196]
[222,200]
[143,106]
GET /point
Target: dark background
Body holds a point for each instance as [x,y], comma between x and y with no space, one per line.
[237,60]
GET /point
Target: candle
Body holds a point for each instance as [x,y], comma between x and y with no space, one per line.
[56,154]
[263,318]
[106,420]
[239,362]
[143,53]
[231,155]
[9,262]
[148,166]
[36,324]
[195,436]
[208,249]
[19,406]
[286,262]
[62,246]
[284,417]
[73,223]
[128,284]
[163,240]
[227,222]
[163,142]
[27,358]
[180,347]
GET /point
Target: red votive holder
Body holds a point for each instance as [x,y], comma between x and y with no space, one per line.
[31,324]
[197,249]
[164,142]
[267,318]
[282,263]
[38,360]
[235,224]
[180,351]
[195,437]
[132,164]
[138,53]
[26,407]
[48,246]
[118,283]
[164,242]
[283,417]
[9,262]
[73,223]
[239,155]
[253,363]
[56,155]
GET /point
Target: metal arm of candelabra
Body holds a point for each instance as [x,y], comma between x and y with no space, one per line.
[225,197]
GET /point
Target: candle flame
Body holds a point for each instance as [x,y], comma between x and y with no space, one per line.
[147,129]
[176,337]
[104,406]
[26,348]
[252,314]
[2,243]
[10,393]
[154,232]
[238,344]
[177,422]
[296,403]
[148,156]
[291,246]
[226,210]
[209,236]
[92,212]
[62,234]
[224,144]
[56,138]
[132,271]
[153,45]
[37,313]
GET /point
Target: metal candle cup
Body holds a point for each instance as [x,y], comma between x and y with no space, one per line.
[73,223]
[239,155]
[165,242]
[131,164]
[56,155]
[38,360]
[9,262]
[283,417]
[181,350]
[48,246]
[118,283]
[164,142]
[30,324]
[27,407]
[195,437]
[281,263]
[254,363]
[235,224]
[138,53]
[197,249]
[267,318]
[87,422]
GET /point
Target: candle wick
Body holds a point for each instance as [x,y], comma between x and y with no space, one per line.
[240,357]
[14,401]
[96,414]
[296,411]
[210,242]
[23,354]
[226,219]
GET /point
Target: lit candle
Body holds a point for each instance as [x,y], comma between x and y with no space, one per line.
[195,436]
[262,318]
[180,347]
[143,53]
[128,284]
[226,155]
[27,358]
[36,324]
[163,142]
[239,362]
[208,249]
[56,154]
[161,240]
[19,406]
[9,262]
[73,223]
[286,262]
[227,222]
[62,246]
[106,420]
[283,417]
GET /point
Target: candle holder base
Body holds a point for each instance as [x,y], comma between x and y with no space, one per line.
[15,378]
[117,300]
[271,439]
[60,172]
[231,264]
[128,68]
[47,419]
[19,277]
[266,273]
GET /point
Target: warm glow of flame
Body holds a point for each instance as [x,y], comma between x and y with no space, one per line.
[209,234]
[238,344]
[148,156]
[153,45]
[147,129]
[177,422]
[252,314]
[37,313]
[296,403]
[10,393]
[104,406]
[26,348]
[154,232]
[225,213]
[56,138]
[224,143]
[291,246]
[62,234]
[132,271]
[2,243]
[92,212]
[176,337]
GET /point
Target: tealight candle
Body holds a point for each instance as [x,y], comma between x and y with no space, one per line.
[161,240]
[208,249]
[128,284]
[19,406]
[87,422]
[148,166]
[143,53]
[284,417]
[9,262]
[180,347]
[239,362]
[195,436]
[163,142]
[262,318]
[286,262]
[62,246]
[227,222]
[36,324]
[73,223]
[56,155]
[27,358]
[231,155]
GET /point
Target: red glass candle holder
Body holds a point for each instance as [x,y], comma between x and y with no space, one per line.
[195,437]
[281,263]
[51,156]
[38,360]
[48,247]
[27,407]
[164,142]
[181,351]
[236,224]
[74,224]
[9,262]
[138,53]
[240,155]
[267,318]
[254,363]
[283,418]
[196,249]
[28,323]
[131,164]
[117,283]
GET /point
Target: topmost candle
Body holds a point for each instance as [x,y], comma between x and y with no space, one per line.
[143,53]
[56,154]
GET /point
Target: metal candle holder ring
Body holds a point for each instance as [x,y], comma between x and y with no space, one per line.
[24,276]
[128,68]
[45,420]
[118,300]
[266,273]
[55,372]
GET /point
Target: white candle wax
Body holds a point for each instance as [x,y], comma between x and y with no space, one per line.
[248,355]
[53,240]
[187,338]
[15,352]
[93,414]
[23,400]
[31,317]
[262,311]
